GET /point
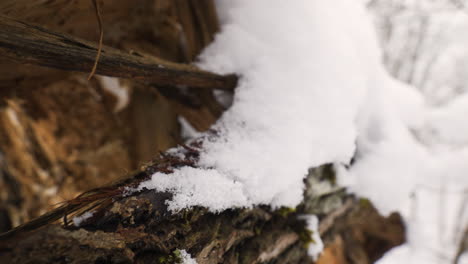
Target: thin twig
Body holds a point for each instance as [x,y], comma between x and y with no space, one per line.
[101,35]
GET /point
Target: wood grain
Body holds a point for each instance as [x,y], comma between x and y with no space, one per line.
[30,44]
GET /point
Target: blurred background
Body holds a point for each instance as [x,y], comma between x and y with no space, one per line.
[425,44]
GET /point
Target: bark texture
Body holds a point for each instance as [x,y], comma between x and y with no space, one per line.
[30,44]
[139,229]
[61,136]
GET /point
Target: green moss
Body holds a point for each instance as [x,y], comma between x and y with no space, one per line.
[257,230]
[306,237]
[177,256]
[305,234]
[174,258]
[365,203]
[285,211]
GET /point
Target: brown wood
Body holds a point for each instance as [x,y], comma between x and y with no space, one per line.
[30,44]
[61,135]
[138,228]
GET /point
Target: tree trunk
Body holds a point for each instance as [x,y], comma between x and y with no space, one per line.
[61,135]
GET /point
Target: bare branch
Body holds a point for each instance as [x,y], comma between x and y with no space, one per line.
[31,44]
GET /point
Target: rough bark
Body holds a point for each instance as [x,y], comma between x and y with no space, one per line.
[30,44]
[61,135]
[139,229]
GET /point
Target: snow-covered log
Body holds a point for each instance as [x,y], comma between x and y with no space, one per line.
[64,138]
[116,225]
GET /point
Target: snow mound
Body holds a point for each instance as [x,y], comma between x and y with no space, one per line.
[303,82]
[312,91]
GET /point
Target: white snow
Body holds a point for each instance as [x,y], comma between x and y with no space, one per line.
[463,259]
[316,246]
[186,258]
[417,167]
[187,131]
[203,187]
[295,107]
[313,91]
[77,220]
[223,97]
[114,87]
[446,125]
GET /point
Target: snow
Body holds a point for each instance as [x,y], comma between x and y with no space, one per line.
[114,87]
[316,246]
[187,131]
[447,124]
[202,187]
[225,98]
[417,167]
[295,106]
[463,259]
[313,91]
[186,258]
[77,220]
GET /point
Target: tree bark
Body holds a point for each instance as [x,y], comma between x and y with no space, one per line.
[30,44]
[139,229]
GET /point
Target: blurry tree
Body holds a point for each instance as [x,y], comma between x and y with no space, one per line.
[423,44]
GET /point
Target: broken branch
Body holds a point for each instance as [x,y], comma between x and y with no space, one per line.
[31,44]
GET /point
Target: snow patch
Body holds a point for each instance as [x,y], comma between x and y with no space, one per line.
[187,131]
[78,220]
[198,187]
[186,258]
[114,86]
[316,246]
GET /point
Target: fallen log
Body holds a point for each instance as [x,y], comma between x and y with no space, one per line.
[117,227]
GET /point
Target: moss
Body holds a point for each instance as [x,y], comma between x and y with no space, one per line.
[305,236]
[174,258]
[365,203]
[177,256]
[285,211]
